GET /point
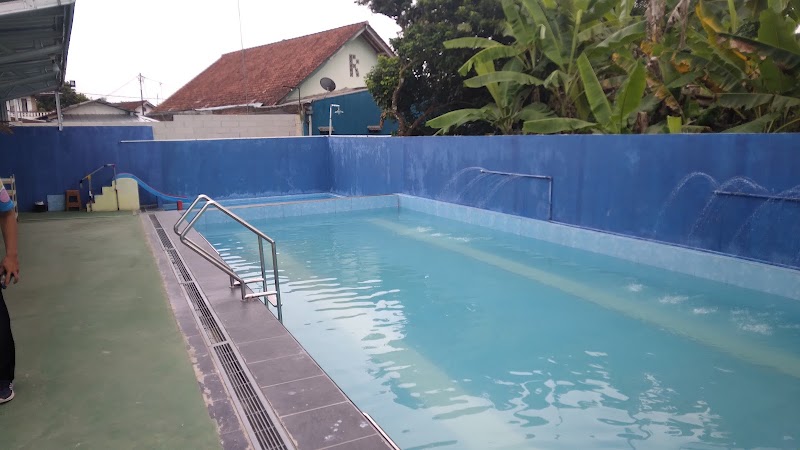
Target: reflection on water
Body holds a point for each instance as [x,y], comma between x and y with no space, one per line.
[450,351]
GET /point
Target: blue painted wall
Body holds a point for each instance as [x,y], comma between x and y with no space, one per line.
[48,162]
[654,187]
[230,168]
[360,111]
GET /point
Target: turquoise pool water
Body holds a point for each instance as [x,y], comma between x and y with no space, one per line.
[457,336]
[277,199]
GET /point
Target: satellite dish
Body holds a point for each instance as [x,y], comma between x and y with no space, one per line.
[327,84]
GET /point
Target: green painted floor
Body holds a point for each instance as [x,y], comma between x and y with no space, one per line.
[100,361]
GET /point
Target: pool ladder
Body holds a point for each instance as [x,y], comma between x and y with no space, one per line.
[271,296]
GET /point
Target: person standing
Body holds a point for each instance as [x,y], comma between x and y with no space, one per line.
[9,269]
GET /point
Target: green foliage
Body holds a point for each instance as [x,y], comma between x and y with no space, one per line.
[423,76]
[609,66]
[69,97]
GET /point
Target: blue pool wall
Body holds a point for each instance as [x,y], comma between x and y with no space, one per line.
[620,184]
[46,161]
[625,184]
[230,168]
[713,266]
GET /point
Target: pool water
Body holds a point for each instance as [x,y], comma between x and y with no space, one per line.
[457,336]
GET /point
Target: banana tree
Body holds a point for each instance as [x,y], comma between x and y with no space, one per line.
[509,88]
[736,70]
[608,118]
[547,39]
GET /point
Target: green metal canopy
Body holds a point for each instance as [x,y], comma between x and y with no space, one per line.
[34,39]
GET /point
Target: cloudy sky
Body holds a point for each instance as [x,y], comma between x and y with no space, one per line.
[171,41]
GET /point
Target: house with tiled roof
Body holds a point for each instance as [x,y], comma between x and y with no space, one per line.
[286,77]
[136,106]
[97,112]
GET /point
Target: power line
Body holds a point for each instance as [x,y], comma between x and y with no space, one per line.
[117,89]
[116,96]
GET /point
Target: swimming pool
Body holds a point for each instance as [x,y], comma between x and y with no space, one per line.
[458,336]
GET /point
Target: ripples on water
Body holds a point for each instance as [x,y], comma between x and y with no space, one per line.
[446,350]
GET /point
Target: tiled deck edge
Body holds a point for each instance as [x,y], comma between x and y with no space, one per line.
[217,399]
[727,269]
[302,396]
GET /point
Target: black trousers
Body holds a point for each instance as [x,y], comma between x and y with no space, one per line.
[6,344]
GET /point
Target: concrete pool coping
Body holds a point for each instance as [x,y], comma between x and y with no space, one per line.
[308,405]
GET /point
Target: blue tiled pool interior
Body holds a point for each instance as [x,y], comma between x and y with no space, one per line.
[277,199]
[476,335]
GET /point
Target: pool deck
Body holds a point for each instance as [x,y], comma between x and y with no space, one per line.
[101,362]
[306,406]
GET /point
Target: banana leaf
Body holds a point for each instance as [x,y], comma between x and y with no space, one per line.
[776,103]
[755,126]
[629,97]
[598,101]
[551,42]
[534,111]
[454,119]
[501,76]
[624,36]
[674,124]
[782,57]
[490,54]
[778,31]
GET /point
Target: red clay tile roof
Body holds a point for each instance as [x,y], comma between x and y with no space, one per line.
[130,106]
[269,68]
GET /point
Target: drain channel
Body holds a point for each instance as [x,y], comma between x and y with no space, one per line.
[264,429]
[261,423]
[212,329]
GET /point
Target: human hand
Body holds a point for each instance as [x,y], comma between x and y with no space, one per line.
[10,269]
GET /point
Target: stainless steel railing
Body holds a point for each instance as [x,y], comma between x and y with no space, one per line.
[271,296]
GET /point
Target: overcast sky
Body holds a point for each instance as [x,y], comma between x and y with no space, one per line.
[171,41]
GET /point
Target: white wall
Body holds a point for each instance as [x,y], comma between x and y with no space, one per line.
[95,108]
[227,126]
[338,69]
[208,126]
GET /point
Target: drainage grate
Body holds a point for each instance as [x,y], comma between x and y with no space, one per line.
[156,222]
[255,412]
[204,314]
[162,236]
[263,427]
[176,261]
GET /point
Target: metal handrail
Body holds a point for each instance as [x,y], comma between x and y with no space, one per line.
[236,280]
[88,176]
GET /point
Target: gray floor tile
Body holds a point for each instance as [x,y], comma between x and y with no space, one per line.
[269,349]
[281,370]
[303,395]
[374,442]
[254,331]
[327,426]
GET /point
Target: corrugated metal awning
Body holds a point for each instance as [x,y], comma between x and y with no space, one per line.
[34,39]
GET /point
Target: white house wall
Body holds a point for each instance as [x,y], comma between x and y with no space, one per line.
[207,126]
[95,108]
[227,126]
[338,69]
